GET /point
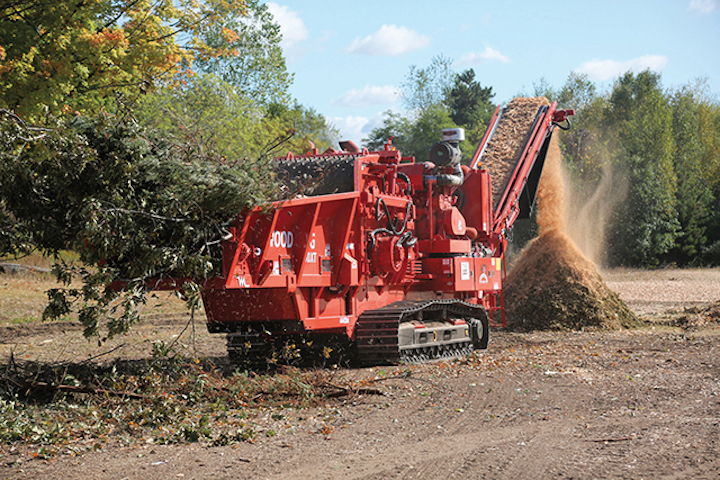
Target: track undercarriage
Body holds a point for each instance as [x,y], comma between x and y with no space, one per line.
[402,332]
[413,331]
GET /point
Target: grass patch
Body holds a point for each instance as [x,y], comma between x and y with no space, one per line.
[39,261]
[23,297]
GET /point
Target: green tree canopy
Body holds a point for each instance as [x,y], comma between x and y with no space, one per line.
[425,88]
[411,137]
[76,55]
[640,118]
[469,102]
[694,194]
[245,52]
[431,94]
[212,114]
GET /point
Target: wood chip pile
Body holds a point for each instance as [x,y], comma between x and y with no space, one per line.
[553,285]
[504,149]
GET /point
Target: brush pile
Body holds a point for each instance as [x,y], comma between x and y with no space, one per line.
[700,316]
[552,285]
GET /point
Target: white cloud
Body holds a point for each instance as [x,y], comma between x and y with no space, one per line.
[357,128]
[704,6]
[367,96]
[390,40]
[608,69]
[292,27]
[351,128]
[488,54]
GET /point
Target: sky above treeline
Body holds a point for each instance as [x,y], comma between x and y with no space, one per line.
[349,59]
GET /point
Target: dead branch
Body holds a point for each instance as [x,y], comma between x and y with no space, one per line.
[34,386]
[343,391]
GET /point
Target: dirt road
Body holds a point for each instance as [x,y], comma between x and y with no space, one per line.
[583,405]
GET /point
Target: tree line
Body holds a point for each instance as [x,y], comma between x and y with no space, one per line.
[659,149]
[662,147]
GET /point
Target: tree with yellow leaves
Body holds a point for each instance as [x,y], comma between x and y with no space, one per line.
[77,55]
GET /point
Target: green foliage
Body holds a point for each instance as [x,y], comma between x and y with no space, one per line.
[663,148]
[138,205]
[543,89]
[426,92]
[211,115]
[639,115]
[694,187]
[425,88]
[412,138]
[245,53]
[578,92]
[163,401]
[471,107]
[15,238]
[469,102]
[394,126]
[307,127]
[585,146]
[76,55]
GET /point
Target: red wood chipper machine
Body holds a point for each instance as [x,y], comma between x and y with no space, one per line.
[386,257]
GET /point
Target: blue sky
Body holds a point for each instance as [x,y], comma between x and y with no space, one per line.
[350,58]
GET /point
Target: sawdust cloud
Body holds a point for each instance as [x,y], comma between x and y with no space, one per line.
[553,284]
[588,217]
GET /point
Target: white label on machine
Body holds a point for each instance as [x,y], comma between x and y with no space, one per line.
[344,320]
[283,239]
[311,257]
[276,267]
[464,270]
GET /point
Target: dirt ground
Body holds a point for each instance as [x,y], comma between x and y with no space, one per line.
[639,404]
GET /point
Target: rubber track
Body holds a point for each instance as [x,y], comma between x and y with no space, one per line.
[376,332]
[249,350]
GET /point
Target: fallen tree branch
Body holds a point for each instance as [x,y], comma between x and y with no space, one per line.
[30,386]
[88,360]
[404,375]
[343,391]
